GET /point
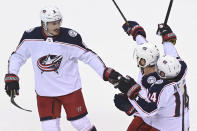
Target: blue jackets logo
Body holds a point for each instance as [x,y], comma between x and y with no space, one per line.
[49,63]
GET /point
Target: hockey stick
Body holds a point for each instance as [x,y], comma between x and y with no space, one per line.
[184,89]
[168,12]
[183,108]
[120,12]
[14,103]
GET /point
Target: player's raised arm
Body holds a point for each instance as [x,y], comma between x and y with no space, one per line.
[168,40]
[136,31]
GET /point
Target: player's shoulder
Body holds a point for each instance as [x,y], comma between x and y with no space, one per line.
[71,32]
[182,72]
[33,33]
[160,85]
[70,36]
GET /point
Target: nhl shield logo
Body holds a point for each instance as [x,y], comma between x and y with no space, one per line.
[72,33]
[151,80]
[49,63]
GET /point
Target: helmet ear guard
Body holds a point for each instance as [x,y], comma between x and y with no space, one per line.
[168,67]
[49,14]
[147,55]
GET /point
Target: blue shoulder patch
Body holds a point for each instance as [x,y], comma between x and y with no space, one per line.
[70,36]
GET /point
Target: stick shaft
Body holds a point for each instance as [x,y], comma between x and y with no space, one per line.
[120,11]
[168,12]
[183,108]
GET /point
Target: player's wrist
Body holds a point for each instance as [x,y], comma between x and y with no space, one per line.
[137,30]
[169,37]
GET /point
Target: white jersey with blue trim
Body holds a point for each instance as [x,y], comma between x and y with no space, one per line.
[169,49]
[163,109]
[154,112]
[162,118]
[55,60]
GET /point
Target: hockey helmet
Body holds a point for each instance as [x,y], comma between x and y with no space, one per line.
[50,14]
[146,54]
[168,67]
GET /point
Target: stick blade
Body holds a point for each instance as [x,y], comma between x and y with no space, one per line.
[14,103]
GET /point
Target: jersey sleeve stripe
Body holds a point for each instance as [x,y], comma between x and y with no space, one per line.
[71,45]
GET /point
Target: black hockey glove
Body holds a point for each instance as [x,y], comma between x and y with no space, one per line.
[134,29]
[111,75]
[11,84]
[166,32]
[129,87]
[122,103]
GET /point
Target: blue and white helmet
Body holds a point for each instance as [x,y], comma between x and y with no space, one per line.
[49,14]
[168,67]
[147,55]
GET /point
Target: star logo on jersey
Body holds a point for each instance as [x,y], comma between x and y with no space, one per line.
[137,98]
[49,63]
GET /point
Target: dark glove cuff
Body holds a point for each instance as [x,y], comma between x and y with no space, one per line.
[125,85]
[169,37]
[11,78]
[137,30]
[133,91]
[107,73]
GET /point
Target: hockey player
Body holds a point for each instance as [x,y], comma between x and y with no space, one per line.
[163,69]
[147,55]
[55,51]
[176,75]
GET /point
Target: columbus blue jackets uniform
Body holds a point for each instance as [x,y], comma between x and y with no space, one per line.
[55,60]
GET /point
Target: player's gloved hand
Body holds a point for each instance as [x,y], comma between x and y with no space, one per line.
[128,86]
[12,84]
[122,103]
[134,29]
[111,75]
[166,32]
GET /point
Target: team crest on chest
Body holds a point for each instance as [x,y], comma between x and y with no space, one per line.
[49,63]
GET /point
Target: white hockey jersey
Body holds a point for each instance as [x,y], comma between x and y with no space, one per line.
[169,49]
[163,109]
[55,60]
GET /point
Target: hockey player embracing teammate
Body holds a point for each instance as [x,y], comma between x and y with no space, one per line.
[159,100]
